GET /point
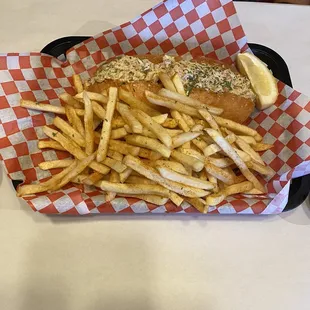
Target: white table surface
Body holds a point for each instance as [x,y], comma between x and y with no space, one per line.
[152,262]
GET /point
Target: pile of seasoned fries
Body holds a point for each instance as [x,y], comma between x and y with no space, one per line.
[130,148]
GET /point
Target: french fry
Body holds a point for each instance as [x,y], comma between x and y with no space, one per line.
[215,199]
[207,139]
[192,153]
[133,179]
[248,139]
[99,167]
[261,147]
[156,200]
[174,105]
[74,120]
[114,178]
[181,98]
[99,111]
[240,178]
[118,133]
[219,173]
[186,145]
[253,191]
[264,170]
[198,203]
[137,189]
[235,127]
[68,99]
[180,121]
[209,118]
[160,119]
[123,147]
[183,179]
[114,164]
[73,149]
[149,162]
[130,118]
[203,175]
[173,165]
[214,148]
[230,152]
[228,191]
[170,123]
[107,127]
[174,132]
[50,145]
[93,96]
[258,137]
[189,120]
[211,149]
[213,180]
[118,122]
[52,164]
[184,138]
[231,138]
[197,127]
[81,165]
[243,155]
[80,178]
[77,82]
[93,178]
[115,155]
[149,143]
[221,162]
[69,131]
[178,84]
[88,124]
[247,148]
[123,176]
[148,154]
[215,110]
[134,103]
[135,173]
[166,81]
[69,115]
[175,198]
[46,107]
[29,189]
[160,132]
[145,132]
[190,161]
[200,144]
[152,174]
[72,141]
[79,154]
[195,148]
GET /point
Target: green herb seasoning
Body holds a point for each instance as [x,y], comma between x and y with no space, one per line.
[210,76]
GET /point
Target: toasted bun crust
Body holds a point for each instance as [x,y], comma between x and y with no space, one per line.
[235,107]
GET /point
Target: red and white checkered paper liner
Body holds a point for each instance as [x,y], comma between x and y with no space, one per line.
[189,28]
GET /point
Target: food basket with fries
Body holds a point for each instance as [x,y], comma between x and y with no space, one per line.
[82,151]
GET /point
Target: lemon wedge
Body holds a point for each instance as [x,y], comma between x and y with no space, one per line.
[263,83]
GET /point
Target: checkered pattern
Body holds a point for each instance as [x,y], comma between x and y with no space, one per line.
[189,28]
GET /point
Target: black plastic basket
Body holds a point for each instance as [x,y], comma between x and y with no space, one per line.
[300,187]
